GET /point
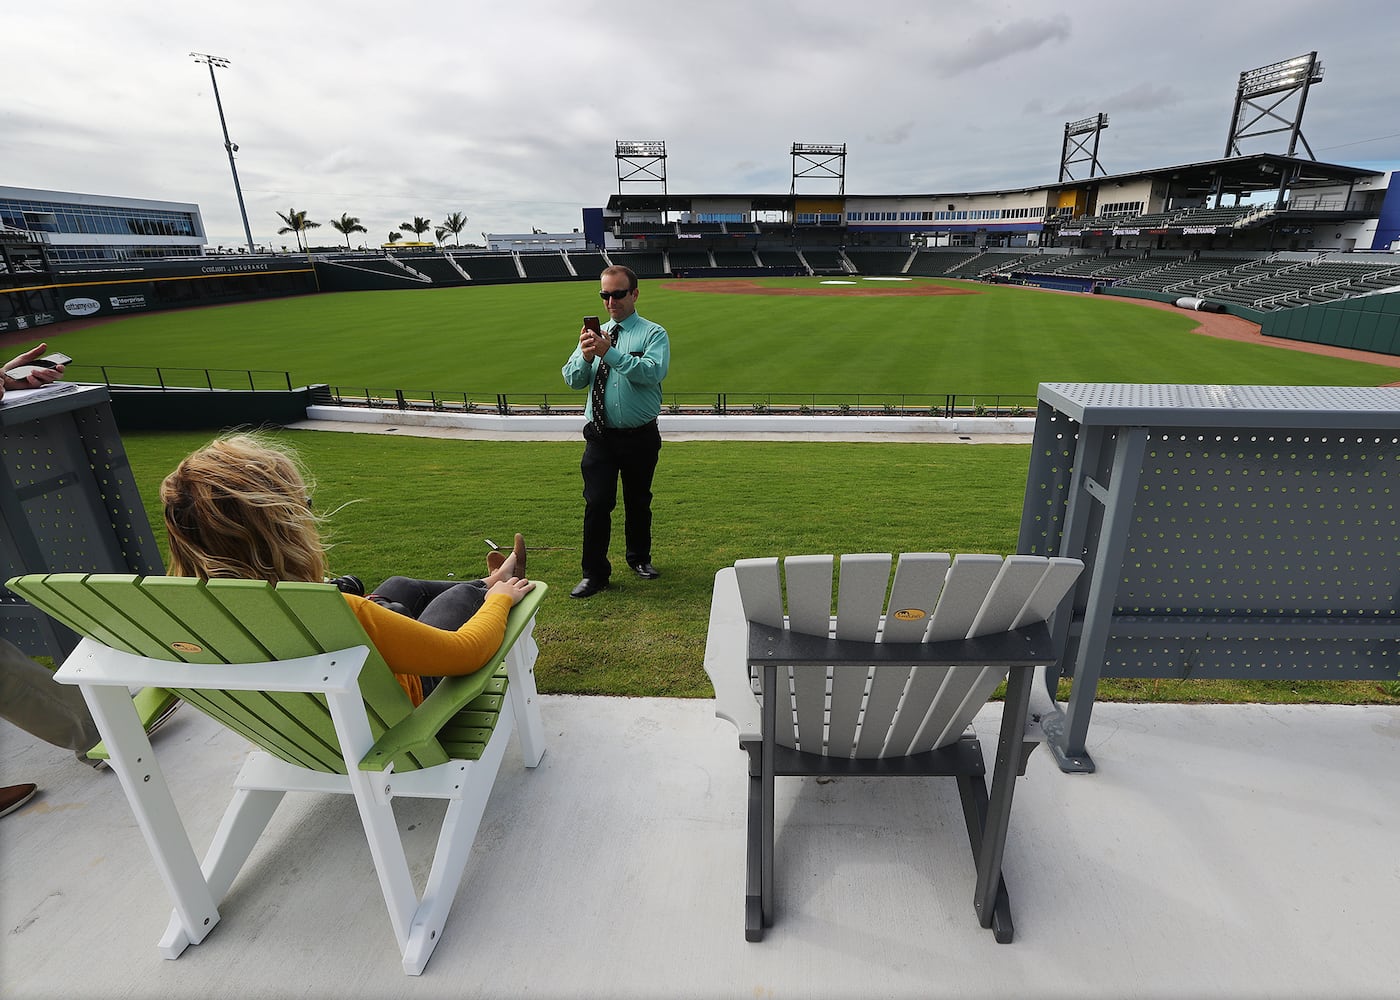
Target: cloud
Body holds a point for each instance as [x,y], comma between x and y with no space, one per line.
[894,136]
[992,45]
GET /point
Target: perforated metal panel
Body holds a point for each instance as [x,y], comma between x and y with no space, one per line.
[69,503]
[1228,531]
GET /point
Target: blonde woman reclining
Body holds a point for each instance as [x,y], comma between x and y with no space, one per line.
[240,508]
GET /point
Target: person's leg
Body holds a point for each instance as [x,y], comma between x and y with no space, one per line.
[413,595]
[638,469]
[31,699]
[454,606]
[599,468]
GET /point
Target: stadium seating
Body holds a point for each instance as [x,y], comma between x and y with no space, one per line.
[939,263]
[626,229]
[781,258]
[643,263]
[880,260]
[825,261]
[735,258]
[439,268]
[548,265]
[587,263]
[689,260]
[488,266]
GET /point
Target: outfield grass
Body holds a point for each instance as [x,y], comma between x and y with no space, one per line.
[514,339]
[421,507]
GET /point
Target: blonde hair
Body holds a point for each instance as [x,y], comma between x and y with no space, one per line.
[240,508]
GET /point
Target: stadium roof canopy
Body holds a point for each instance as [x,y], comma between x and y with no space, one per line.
[1236,175]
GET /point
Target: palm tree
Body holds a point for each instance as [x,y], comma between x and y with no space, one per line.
[296,222]
[418,226]
[441,233]
[454,224]
[394,237]
[347,224]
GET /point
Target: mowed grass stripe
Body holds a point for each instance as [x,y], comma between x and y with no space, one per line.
[514,339]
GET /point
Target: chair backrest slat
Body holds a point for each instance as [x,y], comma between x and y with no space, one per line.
[918,581]
[860,596]
[809,593]
[969,580]
[762,589]
[860,605]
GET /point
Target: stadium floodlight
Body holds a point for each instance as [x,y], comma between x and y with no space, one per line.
[230,146]
[1263,91]
[818,149]
[1086,125]
[1285,75]
[641,147]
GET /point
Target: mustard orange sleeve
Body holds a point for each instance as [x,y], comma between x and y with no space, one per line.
[410,647]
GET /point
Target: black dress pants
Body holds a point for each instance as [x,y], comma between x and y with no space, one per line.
[629,454]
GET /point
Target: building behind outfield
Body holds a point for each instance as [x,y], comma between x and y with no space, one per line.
[91,227]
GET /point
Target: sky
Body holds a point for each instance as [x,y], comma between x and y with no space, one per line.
[508,112]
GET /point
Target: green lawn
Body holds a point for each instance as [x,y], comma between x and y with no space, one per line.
[514,339]
[421,507]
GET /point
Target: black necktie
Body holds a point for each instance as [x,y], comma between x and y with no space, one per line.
[600,383]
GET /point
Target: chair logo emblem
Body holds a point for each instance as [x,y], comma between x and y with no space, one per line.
[910,615]
[186,647]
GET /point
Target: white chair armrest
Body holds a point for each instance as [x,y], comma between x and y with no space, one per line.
[726,658]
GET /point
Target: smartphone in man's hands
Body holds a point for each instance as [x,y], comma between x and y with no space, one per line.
[591,323]
[21,372]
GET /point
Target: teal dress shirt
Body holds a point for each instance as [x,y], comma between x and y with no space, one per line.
[638,362]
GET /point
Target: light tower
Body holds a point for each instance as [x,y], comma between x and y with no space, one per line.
[230,146]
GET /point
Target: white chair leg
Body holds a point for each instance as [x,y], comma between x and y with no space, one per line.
[454,848]
[196,911]
[520,664]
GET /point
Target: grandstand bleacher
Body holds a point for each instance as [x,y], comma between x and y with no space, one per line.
[644,264]
[689,260]
[488,266]
[880,260]
[546,265]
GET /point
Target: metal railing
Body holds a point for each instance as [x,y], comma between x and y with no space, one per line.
[468,401]
[715,403]
[151,377]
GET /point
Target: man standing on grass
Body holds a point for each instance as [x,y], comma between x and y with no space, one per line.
[622,363]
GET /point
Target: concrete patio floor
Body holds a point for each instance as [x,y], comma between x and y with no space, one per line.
[1243,851]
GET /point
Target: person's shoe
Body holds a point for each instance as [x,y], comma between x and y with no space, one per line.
[519,554]
[588,586]
[646,570]
[14,796]
[349,585]
[494,558]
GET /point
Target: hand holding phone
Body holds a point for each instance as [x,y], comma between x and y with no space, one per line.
[591,340]
[21,372]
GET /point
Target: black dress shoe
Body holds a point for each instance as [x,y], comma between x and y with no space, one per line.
[588,586]
[646,570]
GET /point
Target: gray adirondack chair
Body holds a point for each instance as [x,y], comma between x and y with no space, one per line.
[291,669]
[882,688]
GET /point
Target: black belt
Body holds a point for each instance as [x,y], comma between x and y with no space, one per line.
[650,425]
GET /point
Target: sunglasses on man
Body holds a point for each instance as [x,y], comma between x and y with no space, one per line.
[605,295]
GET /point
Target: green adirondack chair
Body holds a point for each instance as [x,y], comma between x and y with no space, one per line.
[290,668]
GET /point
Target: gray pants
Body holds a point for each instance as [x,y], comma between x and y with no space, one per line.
[444,604]
[31,699]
